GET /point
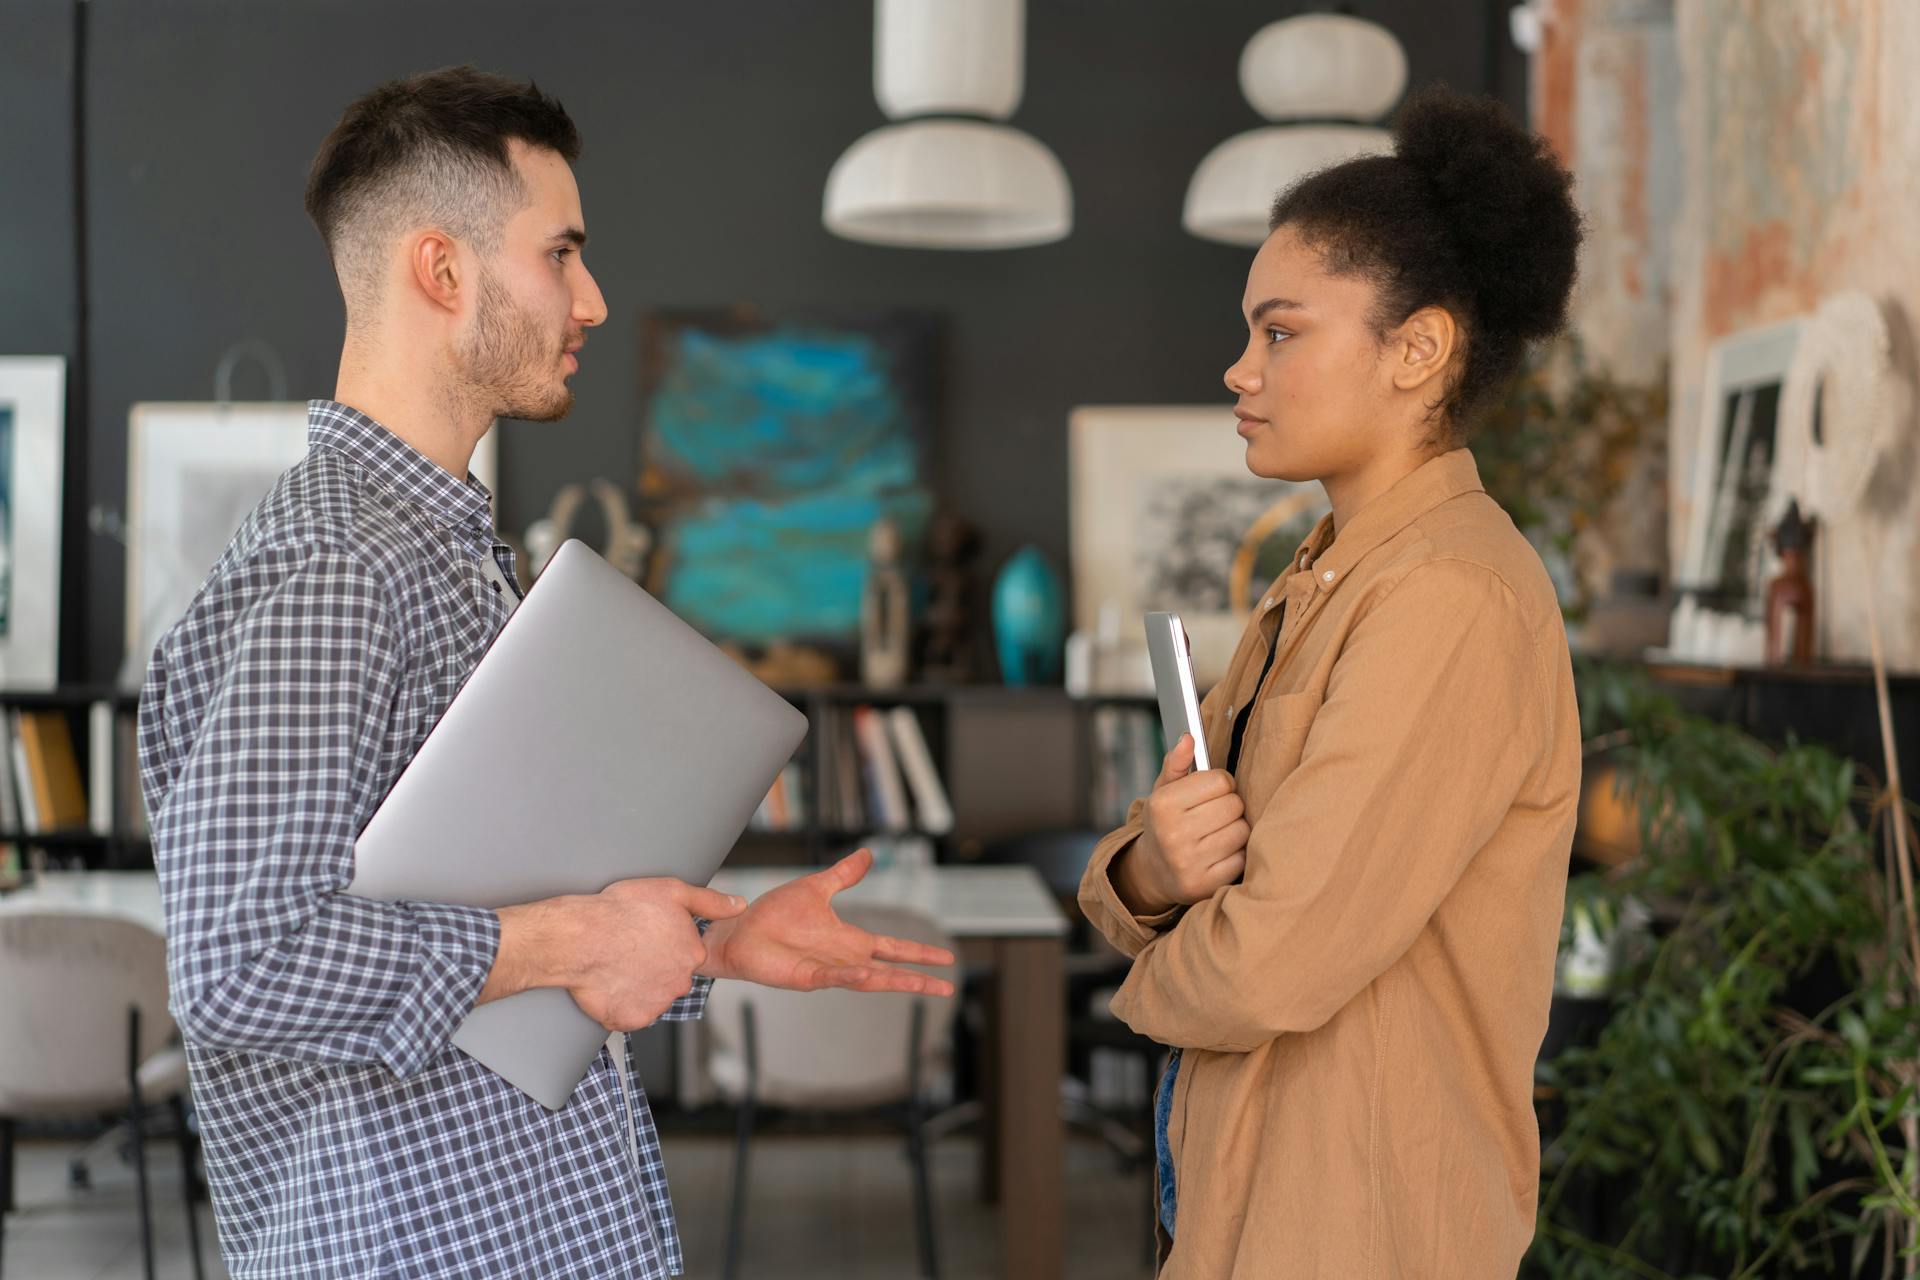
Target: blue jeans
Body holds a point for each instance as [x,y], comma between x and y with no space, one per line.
[1162,1110]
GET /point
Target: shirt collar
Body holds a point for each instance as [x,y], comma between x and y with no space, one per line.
[1435,481]
[466,505]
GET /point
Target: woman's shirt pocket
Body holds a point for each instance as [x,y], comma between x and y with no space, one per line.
[1276,735]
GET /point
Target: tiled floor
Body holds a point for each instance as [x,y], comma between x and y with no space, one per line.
[818,1207]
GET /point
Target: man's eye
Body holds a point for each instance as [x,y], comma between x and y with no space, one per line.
[559,255]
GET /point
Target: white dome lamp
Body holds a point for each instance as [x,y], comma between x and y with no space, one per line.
[1321,78]
[948,183]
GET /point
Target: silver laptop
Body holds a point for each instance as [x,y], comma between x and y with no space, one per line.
[599,739]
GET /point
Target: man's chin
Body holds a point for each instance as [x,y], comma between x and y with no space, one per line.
[548,411]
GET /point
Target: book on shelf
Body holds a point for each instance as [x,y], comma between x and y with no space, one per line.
[102,745]
[43,789]
[22,775]
[1126,760]
[930,803]
[887,794]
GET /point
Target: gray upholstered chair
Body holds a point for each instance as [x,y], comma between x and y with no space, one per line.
[84,1030]
[836,1051]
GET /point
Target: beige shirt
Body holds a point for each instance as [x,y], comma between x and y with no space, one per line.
[1360,1014]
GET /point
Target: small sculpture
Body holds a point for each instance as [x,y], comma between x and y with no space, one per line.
[627,541]
[1029,624]
[949,656]
[885,620]
[1790,593]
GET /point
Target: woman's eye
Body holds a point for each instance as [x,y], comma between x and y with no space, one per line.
[1277,335]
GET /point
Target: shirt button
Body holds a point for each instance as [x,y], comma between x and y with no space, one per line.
[1328,575]
[1268,604]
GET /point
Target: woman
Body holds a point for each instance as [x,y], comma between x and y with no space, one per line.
[1347,935]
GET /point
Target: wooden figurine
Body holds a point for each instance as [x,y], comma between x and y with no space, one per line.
[1790,593]
[886,630]
[949,655]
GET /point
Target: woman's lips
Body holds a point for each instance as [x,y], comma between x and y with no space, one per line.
[1250,425]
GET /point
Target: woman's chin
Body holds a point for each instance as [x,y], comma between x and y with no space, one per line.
[1266,460]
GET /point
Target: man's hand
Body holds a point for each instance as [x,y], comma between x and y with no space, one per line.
[1195,840]
[791,938]
[624,954]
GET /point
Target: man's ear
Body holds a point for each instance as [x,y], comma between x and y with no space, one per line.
[1423,348]
[433,261]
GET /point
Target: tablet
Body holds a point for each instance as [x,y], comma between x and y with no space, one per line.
[1172,656]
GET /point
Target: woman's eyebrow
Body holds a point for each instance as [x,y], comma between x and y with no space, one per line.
[1272,304]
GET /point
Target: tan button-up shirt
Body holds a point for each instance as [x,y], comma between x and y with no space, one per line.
[1360,1014]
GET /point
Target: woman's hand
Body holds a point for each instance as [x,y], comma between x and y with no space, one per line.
[1195,840]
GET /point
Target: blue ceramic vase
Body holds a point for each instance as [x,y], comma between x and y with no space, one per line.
[1029,619]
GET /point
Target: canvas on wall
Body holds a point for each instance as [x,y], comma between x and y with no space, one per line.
[771,445]
[33,392]
[1162,507]
[195,471]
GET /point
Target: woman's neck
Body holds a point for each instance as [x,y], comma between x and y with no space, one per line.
[1351,492]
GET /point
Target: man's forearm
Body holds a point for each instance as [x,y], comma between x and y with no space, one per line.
[537,943]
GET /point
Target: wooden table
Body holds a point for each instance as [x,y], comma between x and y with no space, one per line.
[1004,917]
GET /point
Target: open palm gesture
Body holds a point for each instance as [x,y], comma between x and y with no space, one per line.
[790,937]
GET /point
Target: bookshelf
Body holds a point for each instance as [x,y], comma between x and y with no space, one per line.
[96,820]
[1009,759]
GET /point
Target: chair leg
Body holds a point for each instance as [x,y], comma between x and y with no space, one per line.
[917,1151]
[189,1183]
[737,1209]
[7,1133]
[136,1122]
[6,1185]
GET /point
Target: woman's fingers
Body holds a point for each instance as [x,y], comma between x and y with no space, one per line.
[1179,761]
[1214,815]
[1224,843]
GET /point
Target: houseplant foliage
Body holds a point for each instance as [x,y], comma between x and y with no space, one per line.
[1747,1108]
[1557,451]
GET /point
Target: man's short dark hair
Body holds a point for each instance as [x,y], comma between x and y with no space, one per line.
[429,150]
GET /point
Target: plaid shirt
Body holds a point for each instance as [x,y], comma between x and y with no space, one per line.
[344,1135]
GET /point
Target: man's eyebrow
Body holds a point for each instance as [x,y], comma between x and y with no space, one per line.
[570,235]
[1272,304]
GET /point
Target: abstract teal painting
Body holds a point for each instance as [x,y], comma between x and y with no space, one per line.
[770,447]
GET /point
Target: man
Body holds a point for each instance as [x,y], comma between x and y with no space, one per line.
[344,1136]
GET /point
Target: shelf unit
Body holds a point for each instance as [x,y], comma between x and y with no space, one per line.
[961,724]
[1011,758]
[121,848]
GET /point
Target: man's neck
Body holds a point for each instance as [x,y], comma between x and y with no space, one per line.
[439,425]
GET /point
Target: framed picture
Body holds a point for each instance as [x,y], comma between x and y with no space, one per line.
[1723,567]
[194,473]
[771,445]
[33,399]
[1166,516]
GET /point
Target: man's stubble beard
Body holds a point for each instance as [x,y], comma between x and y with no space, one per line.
[509,361]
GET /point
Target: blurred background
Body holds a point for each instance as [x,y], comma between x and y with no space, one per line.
[910,393]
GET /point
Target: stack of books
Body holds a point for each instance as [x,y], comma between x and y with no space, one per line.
[875,774]
[43,790]
[1128,747]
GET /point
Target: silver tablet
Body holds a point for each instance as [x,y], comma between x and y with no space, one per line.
[1172,656]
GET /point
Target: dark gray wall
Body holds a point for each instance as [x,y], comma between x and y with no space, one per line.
[709,131]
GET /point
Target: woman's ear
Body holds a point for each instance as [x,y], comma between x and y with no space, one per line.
[1423,348]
